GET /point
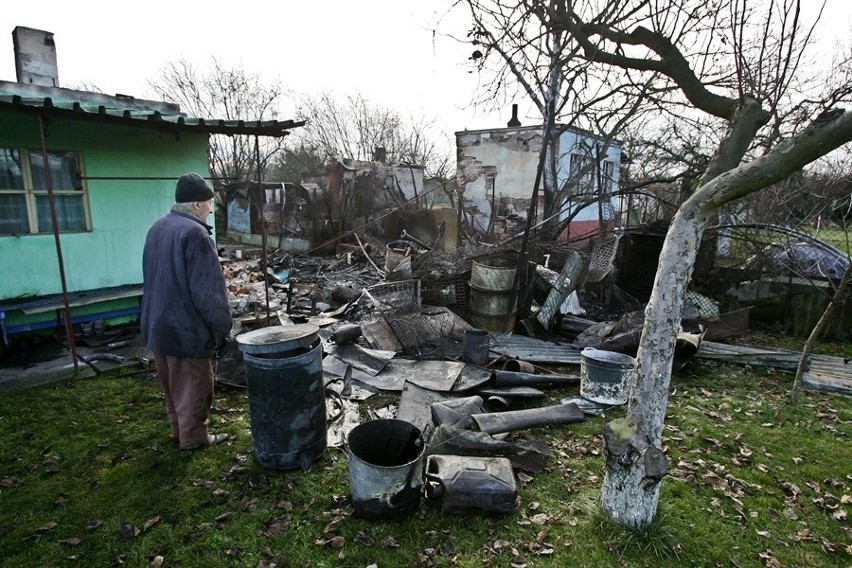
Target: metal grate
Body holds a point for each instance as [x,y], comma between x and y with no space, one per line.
[395,297]
[603,254]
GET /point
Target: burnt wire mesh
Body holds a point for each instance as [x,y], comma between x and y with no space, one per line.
[431,334]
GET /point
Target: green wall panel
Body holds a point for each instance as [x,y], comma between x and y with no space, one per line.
[121,211]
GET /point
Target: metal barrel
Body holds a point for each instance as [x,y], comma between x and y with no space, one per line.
[283,367]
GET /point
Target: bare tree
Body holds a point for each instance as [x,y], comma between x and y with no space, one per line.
[290,164]
[515,44]
[732,67]
[354,128]
[229,93]
[525,48]
[766,58]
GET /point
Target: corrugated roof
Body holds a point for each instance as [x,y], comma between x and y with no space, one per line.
[128,111]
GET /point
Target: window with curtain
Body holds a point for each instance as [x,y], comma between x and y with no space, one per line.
[24,199]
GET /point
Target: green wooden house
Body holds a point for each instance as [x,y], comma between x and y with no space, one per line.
[82,177]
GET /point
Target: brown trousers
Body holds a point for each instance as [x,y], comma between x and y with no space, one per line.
[188,388]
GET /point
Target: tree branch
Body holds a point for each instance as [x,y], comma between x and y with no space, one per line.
[672,63]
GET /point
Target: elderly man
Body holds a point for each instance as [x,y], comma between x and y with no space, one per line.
[185,314]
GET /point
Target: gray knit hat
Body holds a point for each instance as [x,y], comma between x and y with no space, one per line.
[192,187]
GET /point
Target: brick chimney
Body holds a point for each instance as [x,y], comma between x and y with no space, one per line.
[35,57]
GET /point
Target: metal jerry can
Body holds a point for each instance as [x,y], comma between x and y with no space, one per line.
[467,484]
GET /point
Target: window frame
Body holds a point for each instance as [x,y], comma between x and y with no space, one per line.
[32,195]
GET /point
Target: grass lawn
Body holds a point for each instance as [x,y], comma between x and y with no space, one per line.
[89,477]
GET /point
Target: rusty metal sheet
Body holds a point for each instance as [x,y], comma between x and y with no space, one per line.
[534,350]
[755,355]
[371,361]
[471,377]
[434,375]
[382,381]
[380,335]
[415,405]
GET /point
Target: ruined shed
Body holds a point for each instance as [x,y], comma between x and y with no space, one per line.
[348,193]
[496,171]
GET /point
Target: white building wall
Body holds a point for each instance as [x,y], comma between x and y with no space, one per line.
[514,154]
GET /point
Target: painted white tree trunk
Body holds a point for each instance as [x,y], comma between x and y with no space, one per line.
[635,463]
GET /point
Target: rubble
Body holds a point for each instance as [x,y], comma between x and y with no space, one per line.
[406,325]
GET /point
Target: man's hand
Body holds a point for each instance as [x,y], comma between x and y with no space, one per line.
[220,347]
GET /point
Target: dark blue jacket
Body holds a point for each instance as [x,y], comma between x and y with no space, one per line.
[185,309]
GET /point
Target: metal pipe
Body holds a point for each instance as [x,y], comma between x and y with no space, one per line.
[412,238]
[501,422]
[144,178]
[263,234]
[512,378]
[69,327]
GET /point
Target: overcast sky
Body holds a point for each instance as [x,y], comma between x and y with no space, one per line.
[382,48]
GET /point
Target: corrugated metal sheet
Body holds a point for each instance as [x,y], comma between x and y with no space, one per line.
[534,350]
[128,111]
[825,373]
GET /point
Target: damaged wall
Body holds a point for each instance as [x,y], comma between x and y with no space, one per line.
[350,192]
[496,171]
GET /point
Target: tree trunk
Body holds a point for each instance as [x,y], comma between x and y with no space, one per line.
[635,463]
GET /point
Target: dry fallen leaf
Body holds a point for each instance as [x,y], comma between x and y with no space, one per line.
[523,477]
[71,541]
[275,527]
[157,562]
[47,526]
[92,524]
[338,542]
[224,517]
[150,523]
[839,514]
[333,525]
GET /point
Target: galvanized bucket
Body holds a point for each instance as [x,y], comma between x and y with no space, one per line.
[494,273]
[385,468]
[605,376]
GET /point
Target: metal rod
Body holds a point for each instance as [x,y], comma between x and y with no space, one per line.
[143,178]
[522,257]
[69,326]
[263,235]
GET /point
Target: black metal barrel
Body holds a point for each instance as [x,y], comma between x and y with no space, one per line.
[283,366]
